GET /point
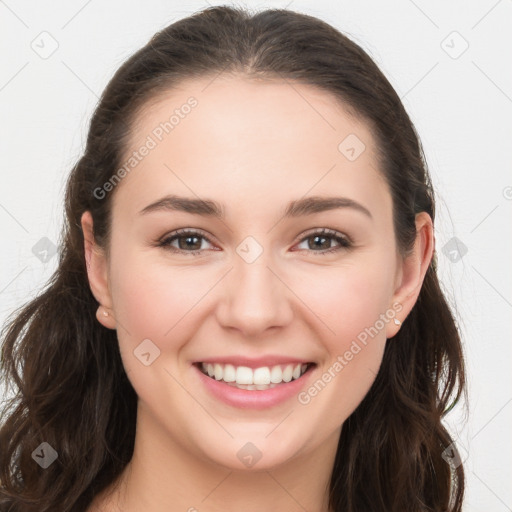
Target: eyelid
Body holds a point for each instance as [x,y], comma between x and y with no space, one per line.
[323,231]
[186,231]
[164,240]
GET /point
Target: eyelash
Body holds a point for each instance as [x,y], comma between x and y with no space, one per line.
[344,241]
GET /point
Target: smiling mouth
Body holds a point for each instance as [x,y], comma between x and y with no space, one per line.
[265,377]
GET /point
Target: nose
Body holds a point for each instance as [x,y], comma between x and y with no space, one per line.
[254,298]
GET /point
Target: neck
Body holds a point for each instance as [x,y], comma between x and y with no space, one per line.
[163,476]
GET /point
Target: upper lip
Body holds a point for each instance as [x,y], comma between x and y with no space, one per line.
[257,362]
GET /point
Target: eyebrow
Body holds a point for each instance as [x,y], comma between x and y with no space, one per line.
[297,208]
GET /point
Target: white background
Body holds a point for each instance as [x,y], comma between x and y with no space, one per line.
[462,108]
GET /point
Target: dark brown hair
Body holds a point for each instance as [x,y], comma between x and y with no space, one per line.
[72,390]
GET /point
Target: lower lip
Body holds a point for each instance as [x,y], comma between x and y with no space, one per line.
[254,399]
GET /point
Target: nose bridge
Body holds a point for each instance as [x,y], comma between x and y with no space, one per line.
[256,299]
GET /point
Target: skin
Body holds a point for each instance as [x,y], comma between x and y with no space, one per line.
[253,147]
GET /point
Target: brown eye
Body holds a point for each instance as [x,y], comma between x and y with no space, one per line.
[188,241]
[321,241]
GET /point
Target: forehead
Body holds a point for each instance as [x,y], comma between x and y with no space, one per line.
[240,111]
[234,136]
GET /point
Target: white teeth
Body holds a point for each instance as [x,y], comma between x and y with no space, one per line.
[261,375]
[259,378]
[251,386]
[287,374]
[276,375]
[218,372]
[244,375]
[229,373]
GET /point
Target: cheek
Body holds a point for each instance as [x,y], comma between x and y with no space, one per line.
[155,302]
[152,299]
[350,305]
[348,301]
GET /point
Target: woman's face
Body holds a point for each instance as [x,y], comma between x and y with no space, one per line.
[256,291]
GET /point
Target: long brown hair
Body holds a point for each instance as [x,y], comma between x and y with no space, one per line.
[71,388]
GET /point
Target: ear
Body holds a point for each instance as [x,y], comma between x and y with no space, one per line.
[412,270]
[97,272]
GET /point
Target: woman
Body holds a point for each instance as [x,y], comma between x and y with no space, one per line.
[246,312]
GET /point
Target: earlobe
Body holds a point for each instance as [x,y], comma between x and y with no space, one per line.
[413,270]
[105,318]
[97,272]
